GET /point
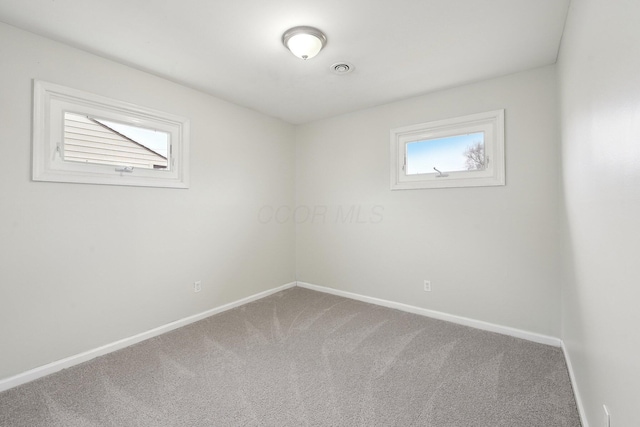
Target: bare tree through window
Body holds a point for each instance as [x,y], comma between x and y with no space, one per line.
[475,156]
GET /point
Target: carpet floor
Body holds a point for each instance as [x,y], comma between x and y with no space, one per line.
[304,358]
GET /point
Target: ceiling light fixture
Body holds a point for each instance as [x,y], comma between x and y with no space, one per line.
[304,42]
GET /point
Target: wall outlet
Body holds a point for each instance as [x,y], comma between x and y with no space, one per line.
[197,286]
[607,417]
[427,286]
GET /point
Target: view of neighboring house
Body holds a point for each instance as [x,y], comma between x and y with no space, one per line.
[89,140]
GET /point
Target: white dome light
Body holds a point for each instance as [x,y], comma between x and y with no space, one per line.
[304,42]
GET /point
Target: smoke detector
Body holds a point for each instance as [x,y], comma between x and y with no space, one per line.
[341,68]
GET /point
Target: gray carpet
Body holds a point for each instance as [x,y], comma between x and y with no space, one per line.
[303,358]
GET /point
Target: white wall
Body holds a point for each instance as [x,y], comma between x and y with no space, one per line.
[85,265]
[599,75]
[491,253]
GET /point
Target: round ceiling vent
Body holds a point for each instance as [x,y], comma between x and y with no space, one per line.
[341,68]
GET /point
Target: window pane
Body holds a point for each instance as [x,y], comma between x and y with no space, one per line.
[92,140]
[450,154]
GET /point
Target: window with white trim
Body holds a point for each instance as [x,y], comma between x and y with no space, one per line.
[460,152]
[80,137]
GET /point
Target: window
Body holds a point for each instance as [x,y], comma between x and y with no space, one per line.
[84,138]
[461,152]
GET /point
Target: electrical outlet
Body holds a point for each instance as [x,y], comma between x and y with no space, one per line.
[427,286]
[197,286]
[607,417]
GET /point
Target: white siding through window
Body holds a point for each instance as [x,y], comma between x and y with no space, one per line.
[88,141]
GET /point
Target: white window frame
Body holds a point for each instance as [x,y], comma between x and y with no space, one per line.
[51,101]
[491,123]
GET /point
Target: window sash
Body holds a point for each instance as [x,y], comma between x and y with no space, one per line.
[491,123]
[51,101]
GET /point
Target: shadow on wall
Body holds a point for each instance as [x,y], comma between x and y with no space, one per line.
[571,295]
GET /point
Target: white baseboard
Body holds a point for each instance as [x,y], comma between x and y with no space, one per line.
[478,324]
[68,362]
[576,391]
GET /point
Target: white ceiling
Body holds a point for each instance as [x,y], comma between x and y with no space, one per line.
[232,49]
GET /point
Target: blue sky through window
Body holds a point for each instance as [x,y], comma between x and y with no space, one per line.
[445,154]
[154,140]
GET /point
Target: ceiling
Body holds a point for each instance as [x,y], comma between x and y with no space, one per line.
[232,49]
